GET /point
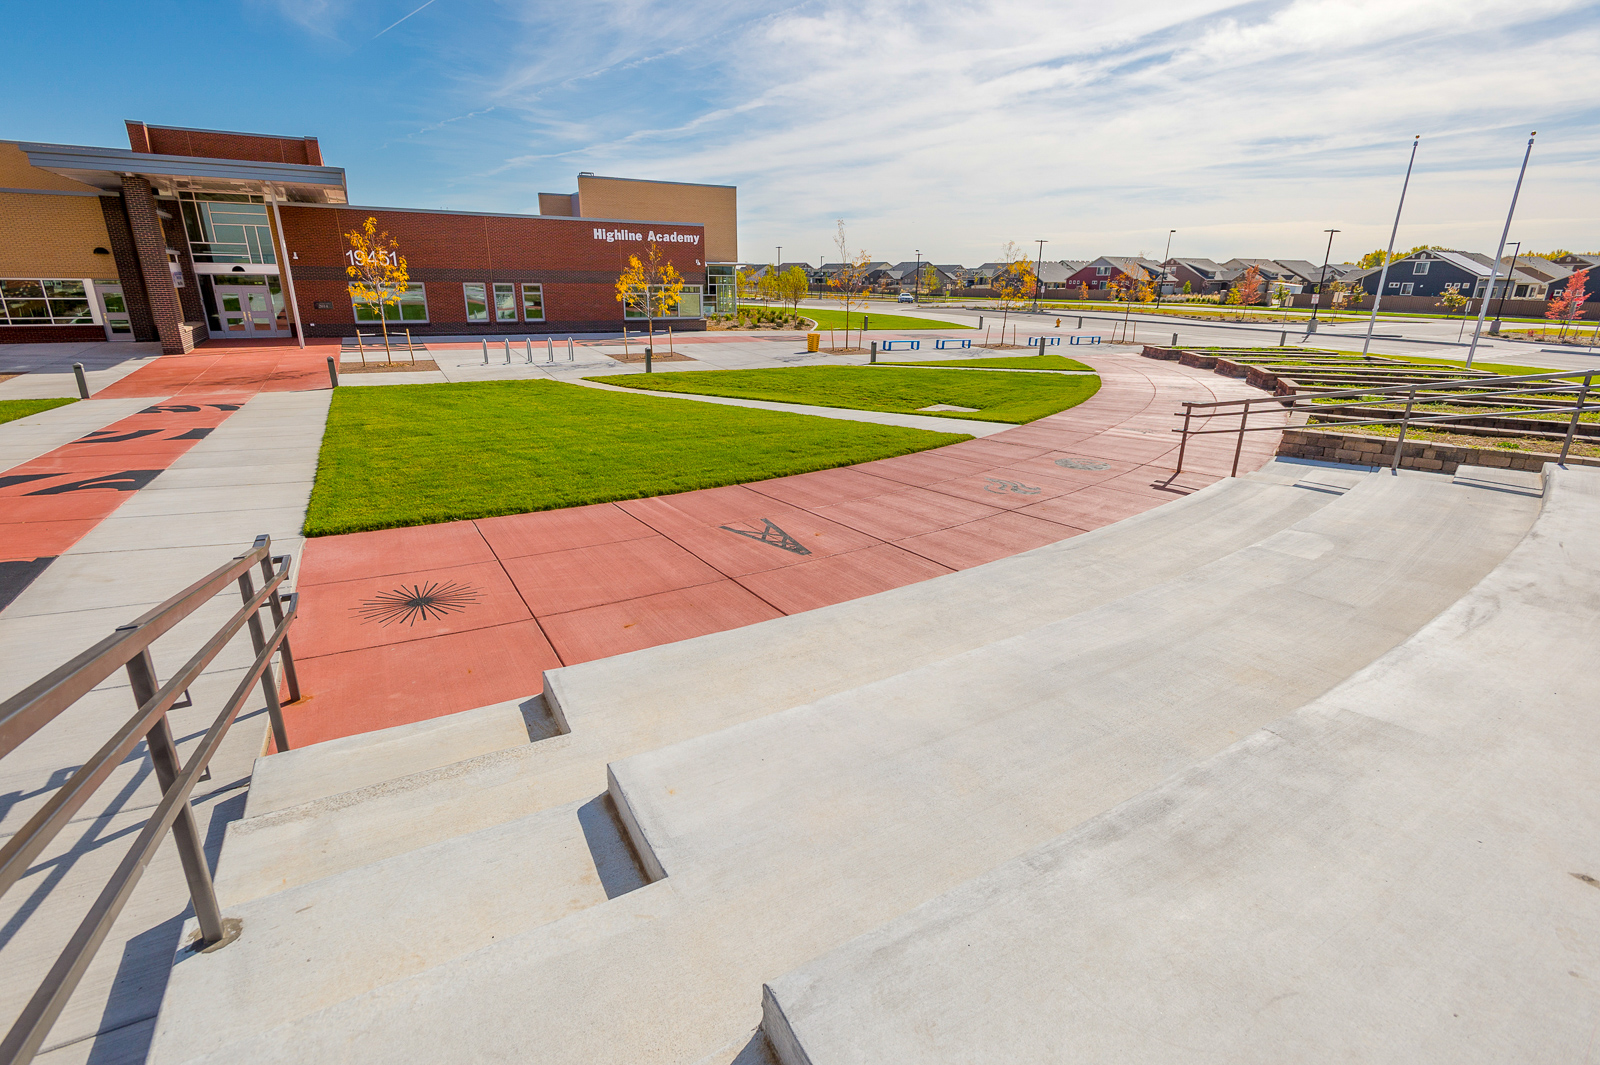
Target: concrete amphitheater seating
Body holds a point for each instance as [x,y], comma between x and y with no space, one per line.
[795,789]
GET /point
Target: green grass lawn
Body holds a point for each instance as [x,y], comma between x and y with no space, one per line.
[1021,362]
[996,397]
[12,409]
[419,454]
[1505,369]
[831,319]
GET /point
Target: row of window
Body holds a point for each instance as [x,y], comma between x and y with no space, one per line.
[502,301]
[43,301]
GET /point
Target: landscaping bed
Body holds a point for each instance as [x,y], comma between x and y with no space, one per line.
[420,454]
[1015,398]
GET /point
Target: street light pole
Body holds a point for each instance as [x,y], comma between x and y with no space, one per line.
[1494,270]
[916,280]
[1164,257]
[1038,282]
[1500,311]
[1383,274]
[1322,278]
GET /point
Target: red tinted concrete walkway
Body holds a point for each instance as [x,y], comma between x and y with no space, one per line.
[407,624]
[51,502]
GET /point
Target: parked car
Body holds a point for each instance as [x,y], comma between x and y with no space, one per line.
[906,297]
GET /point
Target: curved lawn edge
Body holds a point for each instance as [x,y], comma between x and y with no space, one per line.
[408,455]
[1005,362]
[827,386]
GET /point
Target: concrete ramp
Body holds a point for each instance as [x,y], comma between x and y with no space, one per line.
[1405,869]
[789,830]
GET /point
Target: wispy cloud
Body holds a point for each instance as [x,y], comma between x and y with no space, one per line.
[399,20]
[1248,126]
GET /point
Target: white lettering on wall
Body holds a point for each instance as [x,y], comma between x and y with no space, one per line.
[611,236]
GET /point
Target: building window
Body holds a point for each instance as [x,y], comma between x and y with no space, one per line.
[1420,268]
[225,228]
[477,301]
[1405,289]
[689,305]
[412,307]
[505,302]
[1521,291]
[1102,271]
[533,303]
[33,301]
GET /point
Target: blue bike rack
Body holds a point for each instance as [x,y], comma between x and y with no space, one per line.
[888,345]
[1040,342]
[940,345]
[1086,340]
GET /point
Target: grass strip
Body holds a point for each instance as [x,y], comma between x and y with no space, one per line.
[1023,362]
[12,409]
[419,454]
[994,397]
[876,320]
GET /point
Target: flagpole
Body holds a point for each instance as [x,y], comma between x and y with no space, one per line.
[1383,275]
[1494,271]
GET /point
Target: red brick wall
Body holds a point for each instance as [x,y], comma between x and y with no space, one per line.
[49,334]
[210,144]
[442,251]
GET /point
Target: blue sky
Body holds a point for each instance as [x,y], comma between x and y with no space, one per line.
[949,128]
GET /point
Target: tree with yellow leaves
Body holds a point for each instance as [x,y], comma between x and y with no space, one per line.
[378,276]
[650,288]
[1013,283]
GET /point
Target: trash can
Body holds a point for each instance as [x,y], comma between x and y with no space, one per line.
[813,341]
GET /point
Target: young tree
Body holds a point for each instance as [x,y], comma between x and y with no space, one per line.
[929,282]
[1374,258]
[849,282]
[1013,283]
[791,287]
[378,276]
[748,282]
[651,287]
[1246,291]
[1083,290]
[1348,294]
[1567,306]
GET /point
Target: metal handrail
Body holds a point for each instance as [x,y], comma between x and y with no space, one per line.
[1315,402]
[129,648]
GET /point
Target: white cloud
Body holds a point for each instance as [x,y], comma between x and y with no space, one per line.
[955,127]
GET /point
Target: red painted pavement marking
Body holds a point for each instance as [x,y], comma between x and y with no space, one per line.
[494,602]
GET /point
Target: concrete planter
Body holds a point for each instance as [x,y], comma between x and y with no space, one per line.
[1359,449]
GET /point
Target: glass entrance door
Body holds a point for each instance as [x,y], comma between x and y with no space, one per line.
[250,307]
[114,310]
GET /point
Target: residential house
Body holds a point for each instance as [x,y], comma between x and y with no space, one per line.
[1552,276]
[1435,272]
[960,276]
[1201,275]
[1101,272]
[905,275]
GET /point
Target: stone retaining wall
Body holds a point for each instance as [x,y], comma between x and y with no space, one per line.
[1358,449]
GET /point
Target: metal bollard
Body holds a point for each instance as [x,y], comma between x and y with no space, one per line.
[1080,321]
[486,352]
[333,372]
[83,384]
[508,351]
[549,349]
[529,342]
[647,358]
[980,321]
[1283,338]
[1174,339]
[569,349]
[874,351]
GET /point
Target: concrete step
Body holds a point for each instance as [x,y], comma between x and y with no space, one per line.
[644,700]
[341,936]
[351,762]
[1401,870]
[783,837]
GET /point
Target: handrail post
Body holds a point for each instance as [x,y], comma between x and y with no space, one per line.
[269,680]
[1405,423]
[1183,441]
[1572,426]
[1238,448]
[185,833]
[275,604]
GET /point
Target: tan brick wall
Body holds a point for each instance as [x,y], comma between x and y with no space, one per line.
[714,206]
[49,236]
